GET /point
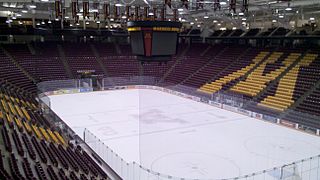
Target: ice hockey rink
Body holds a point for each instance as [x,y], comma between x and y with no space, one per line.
[181,137]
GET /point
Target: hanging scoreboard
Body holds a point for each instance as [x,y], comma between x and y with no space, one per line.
[154,40]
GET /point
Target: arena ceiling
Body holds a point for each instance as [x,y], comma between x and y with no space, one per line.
[260,12]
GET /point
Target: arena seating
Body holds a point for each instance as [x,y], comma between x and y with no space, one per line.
[283,97]
[13,76]
[80,57]
[234,72]
[22,133]
[284,80]
[267,71]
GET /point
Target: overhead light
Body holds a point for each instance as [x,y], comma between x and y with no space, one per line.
[243,23]
[43,22]
[24,11]
[94,10]
[223,3]
[87,23]
[111,19]
[241,13]
[219,24]
[150,14]
[118,4]
[49,22]
[206,17]
[38,24]
[191,23]
[10,20]
[77,24]
[215,21]
[98,22]
[223,28]
[244,19]
[274,21]
[312,19]
[180,9]
[66,17]
[56,19]
[183,20]
[234,28]
[70,25]
[20,22]
[79,14]
[288,9]
[196,19]
[7,21]
[14,17]
[281,16]
[44,0]
[198,25]
[32,6]
[18,15]
[124,17]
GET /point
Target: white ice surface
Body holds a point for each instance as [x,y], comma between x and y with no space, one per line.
[181,137]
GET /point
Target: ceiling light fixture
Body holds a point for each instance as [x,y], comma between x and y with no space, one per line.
[32,6]
[288,9]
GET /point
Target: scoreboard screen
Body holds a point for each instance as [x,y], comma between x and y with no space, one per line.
[137,43]
[164,43]
[154,40]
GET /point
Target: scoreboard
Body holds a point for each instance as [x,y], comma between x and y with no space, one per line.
[154,40]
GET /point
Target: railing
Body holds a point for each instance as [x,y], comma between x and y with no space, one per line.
[308,168]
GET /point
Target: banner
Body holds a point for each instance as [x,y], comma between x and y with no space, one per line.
[230,108]
[244,112]
[287,123]
[269,118]
[216,104]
